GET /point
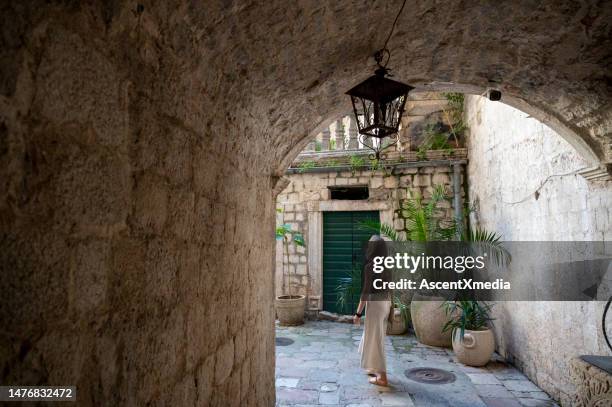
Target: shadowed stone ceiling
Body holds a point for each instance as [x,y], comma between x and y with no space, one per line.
[293,62]
[284,66]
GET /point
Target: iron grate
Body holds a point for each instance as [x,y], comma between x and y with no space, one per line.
[282,341]
[430,375]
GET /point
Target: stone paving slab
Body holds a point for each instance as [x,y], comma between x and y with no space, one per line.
[321,368]
[483,378]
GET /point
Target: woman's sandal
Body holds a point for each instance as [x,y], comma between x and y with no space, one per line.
[378,382]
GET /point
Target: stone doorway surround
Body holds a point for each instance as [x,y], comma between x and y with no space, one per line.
[315,238]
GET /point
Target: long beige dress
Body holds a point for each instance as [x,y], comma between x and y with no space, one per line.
[372,345]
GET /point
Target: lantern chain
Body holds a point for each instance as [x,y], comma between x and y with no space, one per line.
[380,53]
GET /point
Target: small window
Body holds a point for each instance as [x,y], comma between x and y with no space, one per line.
[349,193]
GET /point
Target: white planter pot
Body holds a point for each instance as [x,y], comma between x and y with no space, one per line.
[476,348]
[396,325]
[290,309]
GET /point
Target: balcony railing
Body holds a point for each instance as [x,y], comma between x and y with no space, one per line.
[338,146]
[341,135]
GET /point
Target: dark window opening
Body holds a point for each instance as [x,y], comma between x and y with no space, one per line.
[349,193]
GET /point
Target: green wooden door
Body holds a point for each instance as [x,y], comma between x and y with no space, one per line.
[342,252]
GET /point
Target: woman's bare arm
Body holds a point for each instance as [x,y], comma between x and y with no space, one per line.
[357,316]
[360,307]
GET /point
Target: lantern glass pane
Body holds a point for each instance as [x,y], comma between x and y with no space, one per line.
[378,119]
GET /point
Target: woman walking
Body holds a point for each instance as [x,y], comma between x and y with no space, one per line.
[377,304]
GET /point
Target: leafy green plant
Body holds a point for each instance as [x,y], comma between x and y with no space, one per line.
[455,101]
[434,139]
[454,114]
[349,289]
[285,233]
[376,165]
[318,145]
[305,165]
[467,315]
[332,163]
[402,306]
[425,222]
[356,162]
[485,241]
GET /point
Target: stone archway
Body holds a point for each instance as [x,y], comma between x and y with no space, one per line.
[139,147]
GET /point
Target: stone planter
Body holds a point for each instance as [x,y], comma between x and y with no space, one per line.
[396,325]
[428,319]
[290,309]
[476,348]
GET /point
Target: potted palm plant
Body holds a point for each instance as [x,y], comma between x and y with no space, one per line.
[290,306]
[468,322]
[425,222]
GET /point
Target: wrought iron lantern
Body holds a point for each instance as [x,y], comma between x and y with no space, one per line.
[378,104]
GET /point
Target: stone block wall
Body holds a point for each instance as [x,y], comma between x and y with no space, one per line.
[296,264]
[128,269]
[513,156]
[309,191]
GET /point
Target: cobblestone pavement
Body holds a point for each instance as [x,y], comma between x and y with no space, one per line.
[321,368]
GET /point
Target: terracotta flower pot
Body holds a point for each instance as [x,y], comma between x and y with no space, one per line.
[428,319]
[290,309]
[476,348]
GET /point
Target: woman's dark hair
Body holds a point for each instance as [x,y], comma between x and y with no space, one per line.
[376,248]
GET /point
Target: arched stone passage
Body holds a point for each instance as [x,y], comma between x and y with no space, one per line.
[137,147]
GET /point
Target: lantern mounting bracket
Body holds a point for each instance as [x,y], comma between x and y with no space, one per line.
[379,56]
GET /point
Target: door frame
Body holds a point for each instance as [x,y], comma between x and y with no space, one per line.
[315,238]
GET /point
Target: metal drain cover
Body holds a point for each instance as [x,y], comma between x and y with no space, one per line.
[429,375]
[281,341]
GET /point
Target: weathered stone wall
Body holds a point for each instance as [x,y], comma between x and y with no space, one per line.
[511,157]
[137,144]
[305,192]
[128,256]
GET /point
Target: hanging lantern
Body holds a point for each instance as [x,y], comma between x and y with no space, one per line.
[378,104]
